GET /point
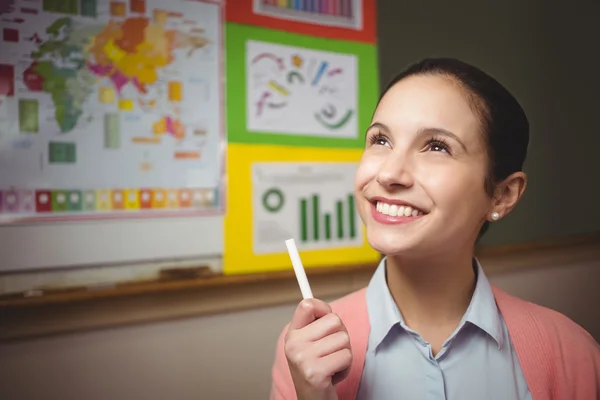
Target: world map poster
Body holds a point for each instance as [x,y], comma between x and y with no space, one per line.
[110,109]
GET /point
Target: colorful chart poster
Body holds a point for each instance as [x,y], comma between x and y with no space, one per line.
[351,20]
[342,13]
[110,108]
[300,91]
[279,193]
[310,202]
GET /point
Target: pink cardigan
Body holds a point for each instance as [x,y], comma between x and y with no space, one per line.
[560,360]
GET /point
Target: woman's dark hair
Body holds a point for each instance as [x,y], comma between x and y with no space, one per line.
[504,123]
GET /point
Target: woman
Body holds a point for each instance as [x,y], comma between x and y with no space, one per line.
[443,160]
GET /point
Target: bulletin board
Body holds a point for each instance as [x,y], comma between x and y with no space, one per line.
[298,108]
[112,139]
[246,132]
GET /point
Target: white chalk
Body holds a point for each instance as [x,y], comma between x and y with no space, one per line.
[299,269]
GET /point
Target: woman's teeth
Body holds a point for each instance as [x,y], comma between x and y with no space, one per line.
[394,210]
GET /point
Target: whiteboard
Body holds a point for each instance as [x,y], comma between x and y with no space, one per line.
[85,244]
[111,133]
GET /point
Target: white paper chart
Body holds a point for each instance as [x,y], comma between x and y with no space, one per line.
[310,202]
[293,90]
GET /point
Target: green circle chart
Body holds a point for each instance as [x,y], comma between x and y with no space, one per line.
[273,200]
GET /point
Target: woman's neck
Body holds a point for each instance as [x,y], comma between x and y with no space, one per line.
[432,293]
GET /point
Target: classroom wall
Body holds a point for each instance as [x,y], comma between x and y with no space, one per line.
[547,54]
[222,356]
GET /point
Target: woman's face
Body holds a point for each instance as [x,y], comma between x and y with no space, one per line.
[420,184]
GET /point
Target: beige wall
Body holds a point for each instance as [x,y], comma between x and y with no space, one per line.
[222,356]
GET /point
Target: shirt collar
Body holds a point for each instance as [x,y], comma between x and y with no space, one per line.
[384,314]
[483,311]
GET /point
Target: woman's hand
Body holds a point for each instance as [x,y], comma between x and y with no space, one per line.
[317,348]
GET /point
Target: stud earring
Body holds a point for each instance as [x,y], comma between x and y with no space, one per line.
[495,216]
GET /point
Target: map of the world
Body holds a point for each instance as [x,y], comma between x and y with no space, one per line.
[109,107]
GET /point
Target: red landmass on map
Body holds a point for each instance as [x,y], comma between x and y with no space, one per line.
[33,80]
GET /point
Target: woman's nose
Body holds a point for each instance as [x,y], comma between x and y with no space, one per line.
[395,172]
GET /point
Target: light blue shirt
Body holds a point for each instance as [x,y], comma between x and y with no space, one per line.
[476,362]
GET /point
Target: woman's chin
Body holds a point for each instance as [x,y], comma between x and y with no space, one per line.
[392,245]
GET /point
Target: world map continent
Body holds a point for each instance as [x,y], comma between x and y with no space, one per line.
[69,63]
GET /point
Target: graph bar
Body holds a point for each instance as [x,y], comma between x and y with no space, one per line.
[89,8]
[106,94]
[348,8]
[327,226]
[137,6]
[175,91]
[7,79]
[117,9]
[339,206]
[315,210]
[351,216]
[61,6]
[28,115]
[62,153]
[112,131]
[303,220]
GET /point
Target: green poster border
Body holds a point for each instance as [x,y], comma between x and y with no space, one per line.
[368,85]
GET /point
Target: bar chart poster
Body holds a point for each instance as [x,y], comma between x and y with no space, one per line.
[342,13]
[352,20]
[310,202]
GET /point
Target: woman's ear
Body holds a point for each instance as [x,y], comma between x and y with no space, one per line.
[507,194]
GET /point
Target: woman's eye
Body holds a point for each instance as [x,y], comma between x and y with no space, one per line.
[438,146]
[379,140]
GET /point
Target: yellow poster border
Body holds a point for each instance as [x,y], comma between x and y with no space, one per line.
[239,257]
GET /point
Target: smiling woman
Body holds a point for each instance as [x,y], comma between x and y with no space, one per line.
[443,158]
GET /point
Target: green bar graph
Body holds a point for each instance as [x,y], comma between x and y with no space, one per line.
[351,216]
[336,222]
[339,208]
[315,210]
[303,220]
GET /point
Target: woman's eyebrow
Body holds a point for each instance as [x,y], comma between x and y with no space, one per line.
[382,127]
[442,132]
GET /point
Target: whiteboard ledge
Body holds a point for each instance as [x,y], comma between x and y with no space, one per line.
[72,311]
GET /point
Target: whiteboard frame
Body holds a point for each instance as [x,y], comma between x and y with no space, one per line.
[27,246]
